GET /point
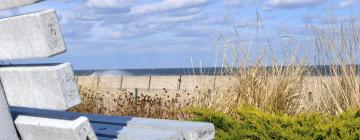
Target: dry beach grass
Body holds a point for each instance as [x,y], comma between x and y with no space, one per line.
[289,84]
[292,94]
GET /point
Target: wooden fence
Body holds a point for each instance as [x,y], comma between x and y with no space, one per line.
[147,82]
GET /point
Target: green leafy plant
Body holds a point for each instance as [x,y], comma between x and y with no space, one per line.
[251,123]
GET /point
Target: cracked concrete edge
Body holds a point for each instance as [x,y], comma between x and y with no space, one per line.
[33,35]
[7,129]
[39,128]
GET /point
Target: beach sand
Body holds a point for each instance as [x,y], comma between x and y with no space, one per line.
[167,94]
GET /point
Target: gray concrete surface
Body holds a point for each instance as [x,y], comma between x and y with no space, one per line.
[7,129]
[190,130]
[8,4]
[109,126]
[50,87]
[129,133]
[37,128]
[35,35]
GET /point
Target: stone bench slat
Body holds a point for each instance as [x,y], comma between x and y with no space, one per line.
[7,129]
[51,86]
[8,4]
[38,128]
[189,130]
[34,35]
[115,131]
[114,120]
[131,133]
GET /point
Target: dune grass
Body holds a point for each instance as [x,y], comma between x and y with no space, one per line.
[264,97]
[289,85]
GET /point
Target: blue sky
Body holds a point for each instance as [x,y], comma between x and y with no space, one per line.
[110,34]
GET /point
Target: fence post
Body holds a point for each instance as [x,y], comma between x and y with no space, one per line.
[210,96]
[121,81]
[310,96]
[149,83]
[179,83]
[136,95]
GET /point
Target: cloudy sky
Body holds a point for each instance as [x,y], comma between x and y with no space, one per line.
[109,34]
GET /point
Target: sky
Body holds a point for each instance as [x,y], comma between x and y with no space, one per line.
[130,34]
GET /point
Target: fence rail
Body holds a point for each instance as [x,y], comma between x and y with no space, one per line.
[147,82]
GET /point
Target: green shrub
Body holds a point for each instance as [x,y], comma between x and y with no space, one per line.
[250,123]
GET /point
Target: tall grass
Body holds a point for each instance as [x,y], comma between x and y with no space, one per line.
[338,46]
[297,83]
[289,84]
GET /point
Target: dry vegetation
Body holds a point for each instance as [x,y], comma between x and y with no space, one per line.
[125,102]
[289,85]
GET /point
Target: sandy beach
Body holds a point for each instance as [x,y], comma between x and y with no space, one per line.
[190,87]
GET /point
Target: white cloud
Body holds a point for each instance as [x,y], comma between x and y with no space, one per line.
[146,27]
[179,19]
[347,3]
[293,3]
[167,5]
[240,3]
[106,20]
[110,3]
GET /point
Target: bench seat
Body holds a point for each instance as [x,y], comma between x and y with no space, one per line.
[110,127]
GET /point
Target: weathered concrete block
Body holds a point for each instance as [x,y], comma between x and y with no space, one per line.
[129,133]
[7,128]
[35,35]
[8,4]
[190,130]
[37,128]
[107,126]
[51,86]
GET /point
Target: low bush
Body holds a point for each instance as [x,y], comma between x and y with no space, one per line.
[251,123]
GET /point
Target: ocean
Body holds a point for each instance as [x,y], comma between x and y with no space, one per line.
[153,72]
[313,70]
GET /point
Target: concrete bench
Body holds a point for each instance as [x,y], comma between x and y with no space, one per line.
[7,129]
[112,126]
[35,35]
[38,128]
[45,86]
[42,92]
